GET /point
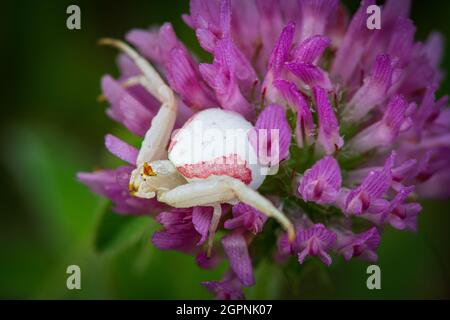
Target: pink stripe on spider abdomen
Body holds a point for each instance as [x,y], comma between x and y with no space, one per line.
[231,166]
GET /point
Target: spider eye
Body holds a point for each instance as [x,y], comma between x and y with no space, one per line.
[148,171]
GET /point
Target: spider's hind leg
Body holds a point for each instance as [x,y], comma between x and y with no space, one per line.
[223,190]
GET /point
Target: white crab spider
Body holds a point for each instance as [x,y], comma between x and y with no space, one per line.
[180,180]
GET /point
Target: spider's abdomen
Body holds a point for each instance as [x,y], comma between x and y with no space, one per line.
[214,142]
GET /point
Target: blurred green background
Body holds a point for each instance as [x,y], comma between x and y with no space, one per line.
[52,126]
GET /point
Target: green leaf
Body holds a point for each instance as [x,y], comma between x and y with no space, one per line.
[117,232]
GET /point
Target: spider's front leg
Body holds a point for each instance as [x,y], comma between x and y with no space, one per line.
[158,135]
[211,192]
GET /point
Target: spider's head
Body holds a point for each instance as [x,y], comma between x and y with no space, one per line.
[149,177]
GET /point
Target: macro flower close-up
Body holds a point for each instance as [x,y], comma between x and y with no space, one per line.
[361,134]
[258,149]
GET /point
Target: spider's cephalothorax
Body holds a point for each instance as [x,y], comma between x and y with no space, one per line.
[209,161]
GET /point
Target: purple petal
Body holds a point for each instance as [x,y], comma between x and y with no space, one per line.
[155,44]
[121,149]
[247,218]
[395,115]
[318,231]
[328,137]
[402,216]
[206,39]
[315,15]
[185,79]
[373,91]
[384,132]
[392,12]
[432,188]
[168,240]
[402,40]
[179,219]
[213,31]
[229,288]
[236,250]
[127,70]
[113,184]
[425,111]
[373,187]
[98,181]
[305,124]
[284,246]
[221,76]
[315,241]
[146,42]
[278,57]
[434,48]
[351,50]
[361,245]
[201,218]
[402,171]
[205,262]
[225,17]
[272,135]
[321,183]
[311,49]
[127,67]
[125,108]
[244,17]
[205,20]
[325,257]
[179,232]
[271,23]
[310,74]
[393,9]
[280,52]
